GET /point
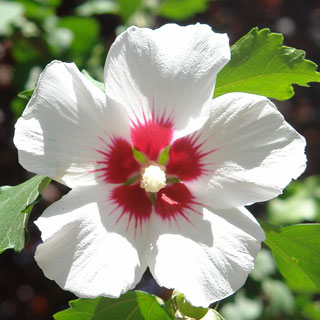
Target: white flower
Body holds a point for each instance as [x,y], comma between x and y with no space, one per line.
[183,215]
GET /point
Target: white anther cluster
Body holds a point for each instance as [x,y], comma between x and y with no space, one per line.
[153,178]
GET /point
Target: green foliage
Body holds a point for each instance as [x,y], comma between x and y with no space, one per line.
[92,7]
[16,204]
[85,33]
[310,309]
[134,305]
[39,10]
[296,250]
[261,65]
[128,8]
[39,36]
[280,297]
[182,9]
[11,13]
[242,308]
[300,202]
[265,296]
[25,51]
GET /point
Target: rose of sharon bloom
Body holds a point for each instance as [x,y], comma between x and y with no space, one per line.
[160,172]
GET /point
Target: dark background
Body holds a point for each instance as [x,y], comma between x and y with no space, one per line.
[24,291]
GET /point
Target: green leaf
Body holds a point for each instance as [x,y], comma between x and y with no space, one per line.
[99,84]
[296,250]
[15,206]
[189,310]
[182,9]
[26,94]
[134,305]
[260,64]
[164,155]
[299,202]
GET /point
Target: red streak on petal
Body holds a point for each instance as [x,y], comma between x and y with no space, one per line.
[119,161]
[134,201]
[185,158]
[173,200]
[152,136]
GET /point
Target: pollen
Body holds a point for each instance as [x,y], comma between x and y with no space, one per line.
[153,178]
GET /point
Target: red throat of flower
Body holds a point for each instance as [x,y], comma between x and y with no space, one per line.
[151,171]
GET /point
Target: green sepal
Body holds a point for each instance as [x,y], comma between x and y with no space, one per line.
[173,180]
[169,308]
[131,180]
[139,156]
[189,310]
[164,155]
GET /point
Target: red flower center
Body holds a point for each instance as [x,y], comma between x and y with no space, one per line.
[121,165]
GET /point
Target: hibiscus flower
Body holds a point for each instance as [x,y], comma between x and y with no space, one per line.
[160,172]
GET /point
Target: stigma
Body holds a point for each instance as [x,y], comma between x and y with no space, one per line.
[153,177]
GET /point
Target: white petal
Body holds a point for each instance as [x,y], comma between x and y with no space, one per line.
[256,152]
[62,124]
[209,259]
[170,70]
[85,249]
